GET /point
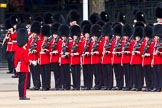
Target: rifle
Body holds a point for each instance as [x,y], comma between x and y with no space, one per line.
[55,43]
[159,46]
[147,46]
[87,46]
[138,44]
[75,46]
[118,45]
[46,44]
[126,44]
[33,46]
[95,46]
[64,49]
[107,46]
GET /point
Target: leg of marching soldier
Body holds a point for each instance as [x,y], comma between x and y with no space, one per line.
[147,73]
[105,76]
[156,70]
[138,77]
[9,60]
[67,76]
[110,76]
[85,75]
[73,76]
[47,76]
[77,70]
[42,68]
[57,74]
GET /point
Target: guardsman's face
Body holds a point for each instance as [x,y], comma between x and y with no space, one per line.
[137,38]
[54,35]
[45,38]
[106,38]
[73,23]
[117,37]
[64,38]
[146,38]
[75,37]
[34,35]
[125,37]
[95,38]
[87,35]
[156,38]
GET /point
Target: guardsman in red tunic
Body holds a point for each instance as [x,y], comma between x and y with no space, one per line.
[156,63]
[34,54]
[75,51]
[9,51]
[55,49]
[147,57]
[14,20]
[96,53]
[106,57]
[86,58]
[116,56]
[44,58]
[65,57]
[136,59]
[126,56]
[22,62]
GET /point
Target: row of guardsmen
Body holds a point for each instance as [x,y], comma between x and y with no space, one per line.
[126,51]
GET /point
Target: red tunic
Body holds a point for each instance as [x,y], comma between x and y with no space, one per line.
[21,56]
[55,57]
[75,59]
[135,59]
[96,59]
[106,58]
[85,59]
[14,42]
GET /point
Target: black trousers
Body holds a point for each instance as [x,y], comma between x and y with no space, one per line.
[118,75]
[10,60]
[23,76]
[46,76]
[57,74]
[65,74]
[107,75]
[35,75]
[97,74]
[128,75]
[87,76]
[137,76]
[157,76]
[75,69]
[148,75]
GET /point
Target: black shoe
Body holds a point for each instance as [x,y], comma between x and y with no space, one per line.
[24,98]
[9,72]
[34,88]
[147,89]
[139,89]
[45,89]
[156,90]
[126,89]
[15,76]
[133,89]
[109,88]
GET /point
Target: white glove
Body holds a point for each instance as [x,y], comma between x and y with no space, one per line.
[34,63]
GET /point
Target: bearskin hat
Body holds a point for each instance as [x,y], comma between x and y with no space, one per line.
[86,29]
[127,30]
[73,15]
[75,30]
[14,20]
[148,31]
[59,18]
[139,31]
[96,30]
[121,18]
[117,29]
[94,17]
[107,30]
[22,37]
[157,30]
[35,27]
[64,30]
[48,18]
[46,30]
[54,28]
[85,22]
[104,16]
